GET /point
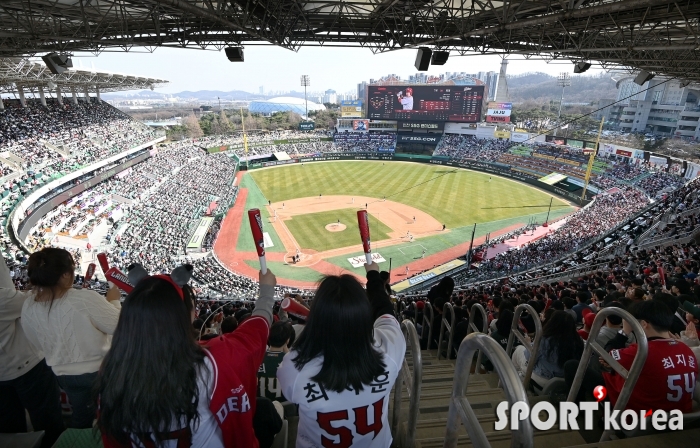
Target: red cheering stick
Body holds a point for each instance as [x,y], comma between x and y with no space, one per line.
[88,275]
[295,308]
[119,279]
[104,264]
[363,223]
[257,228]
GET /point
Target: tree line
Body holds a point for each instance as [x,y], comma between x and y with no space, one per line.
[230,121]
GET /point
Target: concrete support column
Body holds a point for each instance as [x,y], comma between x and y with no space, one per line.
[22,101]
[75,95]
[97,89]
[41,96]
[59,98]
[87,95]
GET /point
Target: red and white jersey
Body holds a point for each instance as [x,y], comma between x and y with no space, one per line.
[667,380]
[351,418]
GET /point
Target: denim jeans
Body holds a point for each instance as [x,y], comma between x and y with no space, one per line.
[79,391]
[37,392]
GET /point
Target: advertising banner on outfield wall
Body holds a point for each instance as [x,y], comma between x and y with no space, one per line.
[360,125]
[498,112]
[460,128]
[351,108]
[358,262]
[421,125]
[519,136]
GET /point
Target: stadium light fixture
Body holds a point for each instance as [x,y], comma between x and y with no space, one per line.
[234,54]
[57,63]
[306,82]
[564,81]
[643,77]
[581,66]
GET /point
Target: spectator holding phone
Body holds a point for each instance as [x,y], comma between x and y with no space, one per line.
[342,368]
[72,327]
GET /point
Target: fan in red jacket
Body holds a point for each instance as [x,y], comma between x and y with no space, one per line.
[158,387]
[667,380]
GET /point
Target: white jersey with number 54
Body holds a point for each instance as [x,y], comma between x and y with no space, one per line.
[350,418]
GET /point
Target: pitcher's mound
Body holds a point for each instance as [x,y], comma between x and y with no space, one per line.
[335,227]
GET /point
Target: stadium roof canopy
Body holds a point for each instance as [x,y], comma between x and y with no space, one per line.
[660,36]
[28,74]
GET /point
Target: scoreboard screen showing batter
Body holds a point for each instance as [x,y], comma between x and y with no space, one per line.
[425,103]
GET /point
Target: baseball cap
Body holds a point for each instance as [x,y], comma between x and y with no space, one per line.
[586,311]
[589,318]
[692,309]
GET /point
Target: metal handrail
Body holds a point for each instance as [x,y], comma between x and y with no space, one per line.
[473,329]
[630,376]
[532,347]
[412,378]
[427,322]
[446,328]
[460,408]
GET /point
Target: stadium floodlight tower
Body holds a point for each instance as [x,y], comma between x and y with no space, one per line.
[564,81]
[306,82]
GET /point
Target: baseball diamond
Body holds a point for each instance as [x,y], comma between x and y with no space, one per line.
[407,203]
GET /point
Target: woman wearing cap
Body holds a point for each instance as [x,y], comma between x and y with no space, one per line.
[72,327]
[342,368]
[158,384]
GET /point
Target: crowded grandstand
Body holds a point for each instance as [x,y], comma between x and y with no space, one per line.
[632,247]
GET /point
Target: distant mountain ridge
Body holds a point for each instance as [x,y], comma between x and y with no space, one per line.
[199,95]
[539,87]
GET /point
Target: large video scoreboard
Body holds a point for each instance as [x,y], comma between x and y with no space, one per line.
[425,103]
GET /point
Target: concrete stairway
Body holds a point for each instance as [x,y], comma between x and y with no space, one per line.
[483,394]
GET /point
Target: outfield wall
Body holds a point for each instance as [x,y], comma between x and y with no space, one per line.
[498,169]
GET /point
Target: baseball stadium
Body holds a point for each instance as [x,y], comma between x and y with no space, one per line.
[419,264]
[310,211]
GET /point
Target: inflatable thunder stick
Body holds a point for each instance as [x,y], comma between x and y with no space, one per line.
[257,228]
[295,308]
[363,223]
[119,279]
[104,264]
[88,275]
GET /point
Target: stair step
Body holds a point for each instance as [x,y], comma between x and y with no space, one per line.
[553,438]
[677,439]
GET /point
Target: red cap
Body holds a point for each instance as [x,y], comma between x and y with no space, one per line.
[588,319]
[586,311]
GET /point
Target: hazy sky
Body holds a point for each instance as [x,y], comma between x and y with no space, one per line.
[278,69]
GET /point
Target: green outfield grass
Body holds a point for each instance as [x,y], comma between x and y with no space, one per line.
[285,270]
[310,230]
[455,197]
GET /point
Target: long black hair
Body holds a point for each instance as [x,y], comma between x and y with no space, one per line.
[148,379]
[339,328]
[564,342]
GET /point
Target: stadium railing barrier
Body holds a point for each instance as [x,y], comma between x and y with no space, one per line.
[472,328]
[630,376]
[446,329]
[427,323]
[532,347]
[410,376]
[461,410]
